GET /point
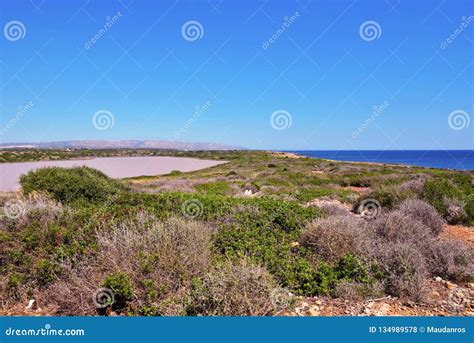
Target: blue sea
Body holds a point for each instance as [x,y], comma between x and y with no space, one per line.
[448,159]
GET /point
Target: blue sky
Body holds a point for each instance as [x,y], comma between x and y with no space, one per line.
[321,73]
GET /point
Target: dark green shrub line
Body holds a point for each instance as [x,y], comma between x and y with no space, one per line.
[70,185]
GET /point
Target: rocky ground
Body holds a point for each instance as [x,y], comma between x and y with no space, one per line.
[444,299]
[459,232]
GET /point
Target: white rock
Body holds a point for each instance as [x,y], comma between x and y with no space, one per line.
[31,304]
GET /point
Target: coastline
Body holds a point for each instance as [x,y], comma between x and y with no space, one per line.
[427,159]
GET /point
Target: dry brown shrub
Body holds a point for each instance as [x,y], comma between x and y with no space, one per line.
[423,212]
[356,291]
[450,259]
[415,186]
[175,246]
[403,267]
[235,289]
[395,226]
[331,238]
[36,207]
[160,258]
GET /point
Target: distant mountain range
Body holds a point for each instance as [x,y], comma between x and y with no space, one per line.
[122,144]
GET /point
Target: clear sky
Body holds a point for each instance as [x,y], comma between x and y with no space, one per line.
[320,76]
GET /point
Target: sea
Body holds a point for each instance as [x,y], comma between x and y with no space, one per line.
[447,159]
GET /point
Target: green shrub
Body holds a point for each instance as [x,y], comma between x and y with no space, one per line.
[13,284]
[453,197]
[68,185]
[435,192]
[218,188]
[29,236]
[122,288]
[351,268]
[46,271]
[325,279]
[247,212]
[174,173]
[387,197]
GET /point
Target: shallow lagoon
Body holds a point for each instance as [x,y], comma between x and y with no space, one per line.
[115,167]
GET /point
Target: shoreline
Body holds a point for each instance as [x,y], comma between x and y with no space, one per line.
[388,164]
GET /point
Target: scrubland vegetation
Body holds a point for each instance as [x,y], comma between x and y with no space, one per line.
[241,238]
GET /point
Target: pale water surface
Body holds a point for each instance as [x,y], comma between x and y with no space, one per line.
[115,167]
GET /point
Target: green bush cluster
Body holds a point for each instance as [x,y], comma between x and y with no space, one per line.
[74,184]
[122,289]
[217,188]
[440,191]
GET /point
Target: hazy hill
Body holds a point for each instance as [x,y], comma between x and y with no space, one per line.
[121,144]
